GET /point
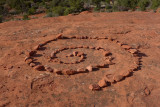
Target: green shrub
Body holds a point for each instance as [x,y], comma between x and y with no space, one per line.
[155,4]
[25,17]
[31,11]
[58,11]
[0,18]
[143,4]
[130,4]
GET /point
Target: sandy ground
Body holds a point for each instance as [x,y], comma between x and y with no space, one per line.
[138,29]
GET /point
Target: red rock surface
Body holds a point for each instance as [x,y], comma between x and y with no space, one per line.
[140,30]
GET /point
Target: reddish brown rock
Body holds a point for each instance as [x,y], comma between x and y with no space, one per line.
[97,48]
[68,72]
[59,36]
[59,72]
[49,69]
[89,68]
[106,53]
[118,78]
[133,51]
[147,91]
[110,38]
[28,61]
[69,55]
[36,47]
[125,73]
[120,44]
[79,46]
[91,47]
[32,64]
[94,87]
[81,70]
[26,58]
[75,53]
[127,47]
[80,54]
[31,53]
[109,78]
[102,83]
[39,67]
[53,54]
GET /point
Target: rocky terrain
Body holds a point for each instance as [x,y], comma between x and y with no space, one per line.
[85,60]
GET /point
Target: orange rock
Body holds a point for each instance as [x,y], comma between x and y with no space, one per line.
[127,47]
[68,72]
[36,47]
[28,61]
[80,54]
[94,87]
[109,78]
[59,36]
[102,83]
[49,69]
[81,70]
[32,64]
[53,54]
[59,72]
[75,53]
[133,51]
[118,78]
[89,68]
[125,73]
[106,53]
[91,47]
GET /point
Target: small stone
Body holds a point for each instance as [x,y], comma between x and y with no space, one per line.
[32,64]
[59,36]
[81,70]
[91,47]
[137,62]
[36,47]
[82,57]
[75,53]
[102,83]
[147,91]
[59,72]
[68,72]
[109,78]
[133,51]
[28,61]
[125,73]
[120,44]
[118,78]
[89,68]
[31,53]
[69,55]
[80,54]
[110,38]
[106,53]
[97,48]
[72,47]
[94,87]
[53,54]
[39,67]
[26,58]
[49,69]
[127,47]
